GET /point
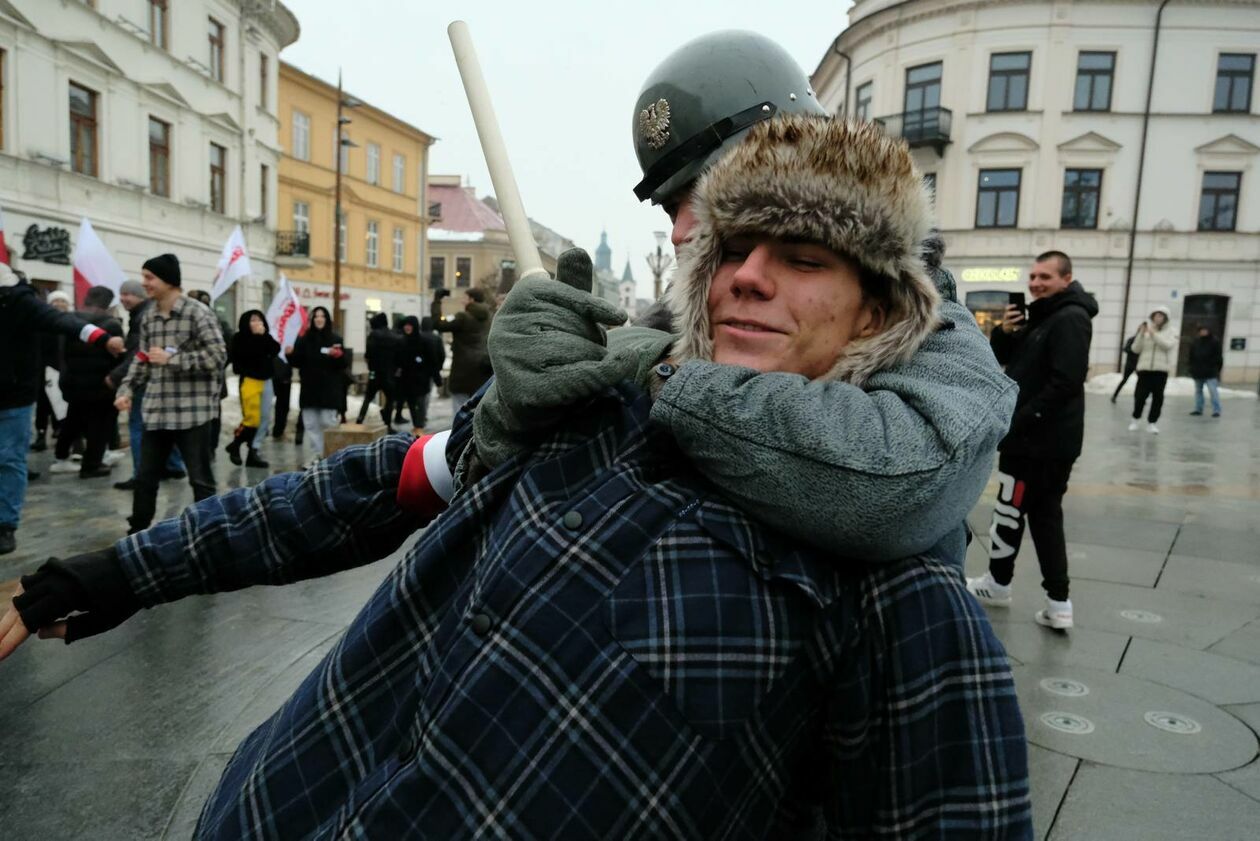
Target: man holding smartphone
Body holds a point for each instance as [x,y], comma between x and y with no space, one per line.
[1046,351]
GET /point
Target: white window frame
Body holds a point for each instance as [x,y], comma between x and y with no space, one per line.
[400,173]
[302,217]
[374,163]
[301,136]
[399,243]
[373,238]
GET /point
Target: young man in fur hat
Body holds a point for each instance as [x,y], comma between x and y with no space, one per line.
[593,641]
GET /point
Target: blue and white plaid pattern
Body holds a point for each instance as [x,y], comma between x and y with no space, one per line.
[184,392]
[592,644]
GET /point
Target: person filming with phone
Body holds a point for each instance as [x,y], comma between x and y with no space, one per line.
[1045,348]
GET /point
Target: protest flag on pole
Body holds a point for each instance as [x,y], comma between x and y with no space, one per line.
[93,264]
[285,317]
[233,263]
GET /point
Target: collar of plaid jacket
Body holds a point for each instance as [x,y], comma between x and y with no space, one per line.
[591,644]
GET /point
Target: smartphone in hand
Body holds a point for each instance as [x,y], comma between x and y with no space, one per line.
[1017,300]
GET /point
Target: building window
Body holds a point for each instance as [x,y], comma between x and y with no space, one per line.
[301,136]
[463,271]
[398,249]
[341,238]
[264,79]
[159,24]
[400,173]
[373,163]
[82,129]
[301,217]
[373,243]
[218,166]
[437,272]
[862,106]
[216,50]
[264,191]
[1094,72]
[1082,189]
[929,181]
[159,158]
[1008,81]
[1218,206]
[922,117]
[1234,75]
[997,203]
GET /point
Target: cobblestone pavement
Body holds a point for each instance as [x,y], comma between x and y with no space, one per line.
[1141,721]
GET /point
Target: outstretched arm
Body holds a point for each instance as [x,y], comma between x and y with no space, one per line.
[882,472]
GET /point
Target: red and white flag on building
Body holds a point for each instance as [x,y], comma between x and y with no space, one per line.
[285,317]
[93,264]
[4,252]
[233,263]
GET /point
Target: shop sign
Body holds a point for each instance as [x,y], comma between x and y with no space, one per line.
[986,274]
[307,292]
[52,245]
[1239,343]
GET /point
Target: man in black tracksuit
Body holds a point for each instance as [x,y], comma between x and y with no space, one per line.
[1048,356]
[86,385]
[383,349]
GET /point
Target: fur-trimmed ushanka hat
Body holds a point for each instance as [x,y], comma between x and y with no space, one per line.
[844,185]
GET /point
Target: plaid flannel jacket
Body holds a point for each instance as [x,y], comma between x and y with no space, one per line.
[184,392]
[592,644]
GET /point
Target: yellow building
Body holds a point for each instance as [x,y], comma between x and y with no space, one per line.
[383,199]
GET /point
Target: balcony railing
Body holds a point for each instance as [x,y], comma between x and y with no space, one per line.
[927,127]
[293,244]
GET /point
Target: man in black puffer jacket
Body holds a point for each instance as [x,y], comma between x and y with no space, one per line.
[23,316]
[1048,356]
[383,348]
[86,385]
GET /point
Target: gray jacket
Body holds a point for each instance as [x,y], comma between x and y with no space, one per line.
[884,471]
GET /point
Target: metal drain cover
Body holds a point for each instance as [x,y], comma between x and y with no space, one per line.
[1068,723]
[1143,616]
[1064,686]
[1173,723]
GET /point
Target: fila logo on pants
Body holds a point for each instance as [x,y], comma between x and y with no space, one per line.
[1006,514]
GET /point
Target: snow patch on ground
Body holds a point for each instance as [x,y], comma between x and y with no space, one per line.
[1177,387]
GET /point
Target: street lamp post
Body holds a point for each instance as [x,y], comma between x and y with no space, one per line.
[659,263]
[342,142]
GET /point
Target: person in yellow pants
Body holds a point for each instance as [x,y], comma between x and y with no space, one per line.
[252,356]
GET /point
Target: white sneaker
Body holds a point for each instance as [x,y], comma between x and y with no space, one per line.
[76,456]
[1152,428]
[1057,615]
[988,591]
[1133,426]
[112,457]
[63,465]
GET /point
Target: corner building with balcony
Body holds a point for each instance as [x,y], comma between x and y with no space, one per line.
[155,119]
[384,209]
[1030,121]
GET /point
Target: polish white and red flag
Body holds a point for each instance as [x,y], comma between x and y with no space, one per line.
[4,252]
[285,317]
[233,263]
[93,264]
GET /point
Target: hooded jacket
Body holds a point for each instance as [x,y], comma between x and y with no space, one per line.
[1049,360]
[421,358]
[1157,350]
[24,318]
[1206,359]
[384,347]
[85,367]
[470,362]
[251,354]
[323,374]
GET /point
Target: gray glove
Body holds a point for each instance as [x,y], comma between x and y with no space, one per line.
[548,349]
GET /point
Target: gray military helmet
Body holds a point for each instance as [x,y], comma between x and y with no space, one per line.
[703,97]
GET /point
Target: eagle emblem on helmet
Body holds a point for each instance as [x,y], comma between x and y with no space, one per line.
[654,124]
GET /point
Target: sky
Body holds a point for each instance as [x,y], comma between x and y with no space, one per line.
[563,75]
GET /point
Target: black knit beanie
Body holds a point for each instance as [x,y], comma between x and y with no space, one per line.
[166,267]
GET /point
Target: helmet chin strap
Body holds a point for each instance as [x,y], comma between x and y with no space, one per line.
[699,145]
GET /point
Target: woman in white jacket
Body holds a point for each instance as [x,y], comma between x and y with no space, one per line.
[1156,346]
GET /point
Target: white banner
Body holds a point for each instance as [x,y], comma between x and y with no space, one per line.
[285,317]
[233,263]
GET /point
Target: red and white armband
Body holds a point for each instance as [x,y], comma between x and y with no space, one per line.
[91,334]
[426,484]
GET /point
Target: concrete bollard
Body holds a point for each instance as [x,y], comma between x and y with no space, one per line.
[349,434]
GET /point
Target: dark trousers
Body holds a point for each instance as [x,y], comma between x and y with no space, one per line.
[283,391]
[44,415]
[415,402]
[1030,492]
[1129,368]
[386,388]
[1150,384]
[95,421]
[155,447]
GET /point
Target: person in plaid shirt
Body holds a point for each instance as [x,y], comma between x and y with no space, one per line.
[592,641]
[179,367]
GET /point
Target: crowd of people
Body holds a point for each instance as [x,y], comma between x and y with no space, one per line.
[167,372]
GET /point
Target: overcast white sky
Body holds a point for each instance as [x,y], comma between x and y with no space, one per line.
[563,75]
